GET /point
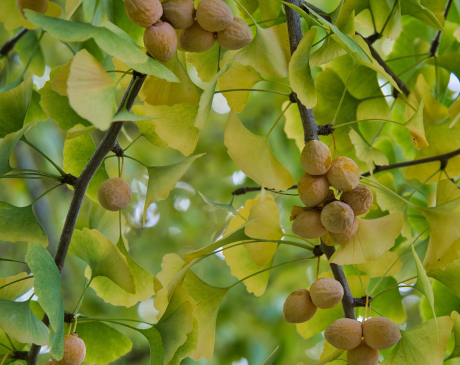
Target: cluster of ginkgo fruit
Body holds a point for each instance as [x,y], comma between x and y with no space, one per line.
[323,212]
[200,28]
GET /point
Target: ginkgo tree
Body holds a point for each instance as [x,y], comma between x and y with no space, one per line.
[368,94]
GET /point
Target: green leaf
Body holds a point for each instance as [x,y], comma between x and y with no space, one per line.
[47,287]
[417,10]
[103,343]
[449,276]
[111,293]
[7,144]
[19,224]
[389,304]
[407,351]
[228,207]
[91,90]
[456,351]
[14,105]
[162,179]
[124,115]
[205,62]
[300,73]
[18,321]
[270,360]
[320,321]
[365,152]
[416,127]
[104,258]
[268,53]
[450,61]
[113,41]
[14,291]
[29,48]
[252,154]
[156,345]
[77,152]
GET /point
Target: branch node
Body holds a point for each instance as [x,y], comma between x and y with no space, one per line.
[372,38]
[325,130]
[318,251]
[293,98]
[118,150]
[69,179]
[361,302]
[20,355]
[444,163]
[69,317]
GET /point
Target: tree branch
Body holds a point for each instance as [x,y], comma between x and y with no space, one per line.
[9,44]
[437,39]
[311,133]
[107,143]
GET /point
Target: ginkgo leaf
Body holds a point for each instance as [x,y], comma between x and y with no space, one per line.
[18,321]
[293,126]
[173,125]
[228,207]
[71,6]
[19,224]
[103,257]
[300,76]
[91,90]
[59,80]
[266,225]
[205,62]
[407,351]
[268,53]
[7,144]
[12,18]
[14,291]
[14,105]
[271,359]
[252,154]
[379,266]
[456,351]
[329,50]
[365,152]
[238,77]
[454,112]
[188,347]
[372,239]
[162,179]
[320,321]
[446,191]
[416,127]
[449,276]
[417,10]
[387,16]
[394,312]
[112,293]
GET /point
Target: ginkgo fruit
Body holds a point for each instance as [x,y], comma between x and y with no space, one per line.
[179,13]
[344,334]
[307,224]
[363,355]
[359,199]
[214,15]
[235,36]
[316,158]
[380,333]
[337,217]
[312,189]
[114,194]
[196,39]
[326,293]
[343,174]
[161,41]
[40,6]
[74,351]
[347,235]
[144,13]
[298,307]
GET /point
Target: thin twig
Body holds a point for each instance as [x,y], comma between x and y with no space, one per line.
[11,43]
[437,39]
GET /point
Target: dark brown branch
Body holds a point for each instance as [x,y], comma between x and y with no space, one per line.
[106,145]
[437,39]
[11,43]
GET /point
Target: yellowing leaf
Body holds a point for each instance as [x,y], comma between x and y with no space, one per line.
[253,155]
[454,112]
[268,52]
[14,291]
[12,18]
[372,239]
[103,257]
[59,82]
[416,127]
[14,105]
[300,76]
[293,126]
[408,350]
[366,152]
[456,351]
[379,266]
[162,179]
[417,9]
[446,191]
[71,6]
[320,321]
[173,125]
[205,62]
[91,90]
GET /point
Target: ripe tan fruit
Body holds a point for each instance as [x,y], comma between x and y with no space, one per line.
[144,13]
[359,199]
[307,224]
[326,293]
[363,355]
[179,13]
[337,217]
[236,35]
[344,334]
[312,189]
[40,6]
[298,307]
[346,235]
[196,39]
[214,15]
[114,194]
[343,174]
[380,333]
[74,351]
[316,158]
[161,41]
[49,363]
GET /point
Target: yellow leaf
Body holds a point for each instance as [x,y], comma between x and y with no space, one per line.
[71,6]
[446,191]
[91,90]
[416,127]
[252,154]
[11,17]
[14,291]
[372,239]
[365,152]
[379,266]
[454,111]
[293,126]
[205,62]
[59,82]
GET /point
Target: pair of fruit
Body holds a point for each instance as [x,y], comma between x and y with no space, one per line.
[114,194]
[363,340]
[301,305]
[323,212]
[214,20]
[74,351]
